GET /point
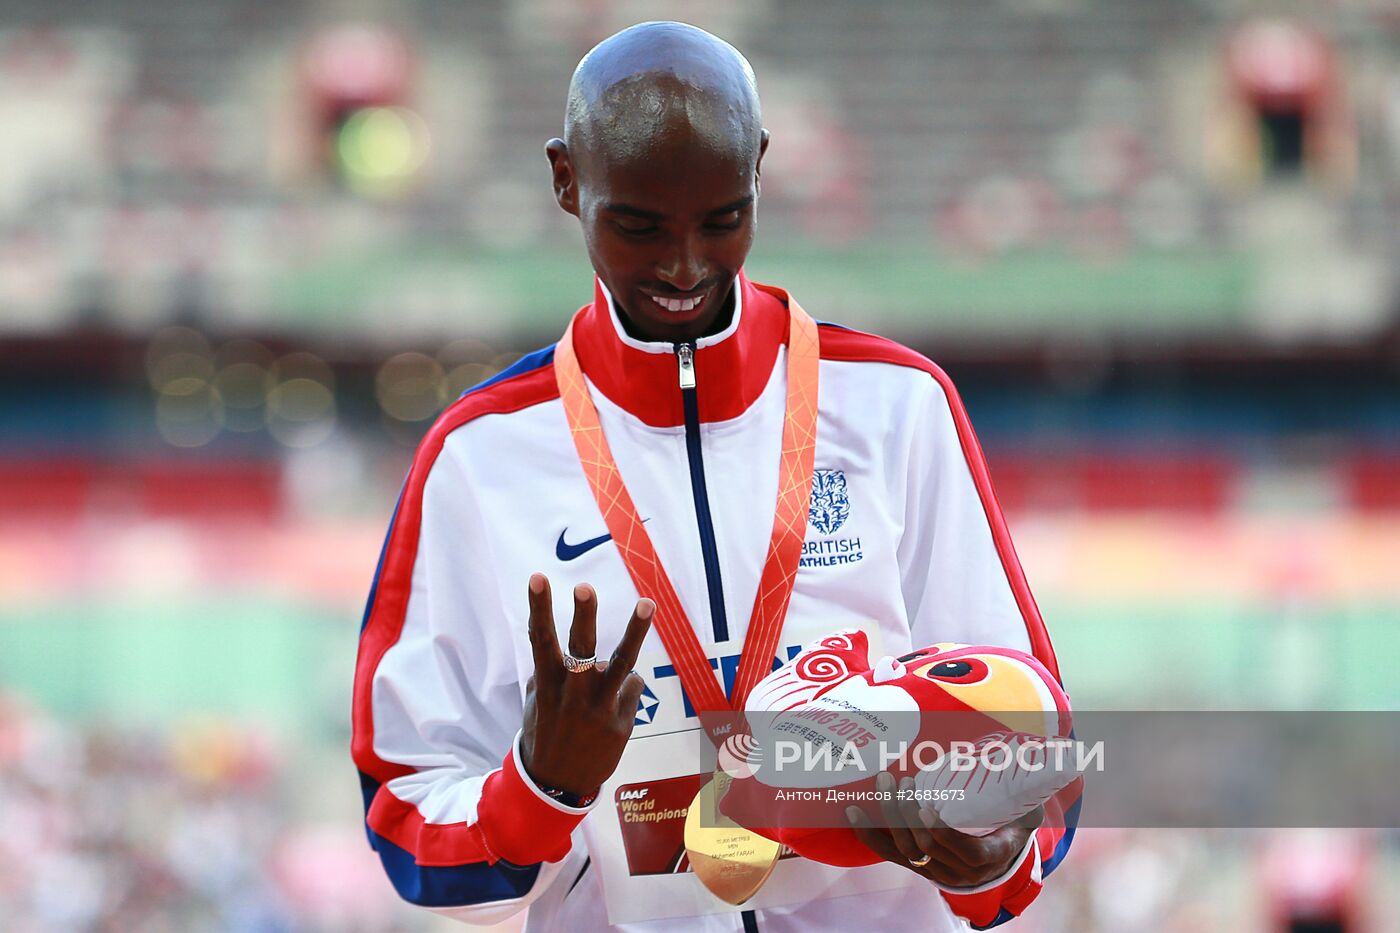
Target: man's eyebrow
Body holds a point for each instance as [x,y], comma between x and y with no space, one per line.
[629,210]
[633,211]
[733,206]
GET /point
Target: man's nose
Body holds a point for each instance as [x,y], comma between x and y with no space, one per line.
[682,269]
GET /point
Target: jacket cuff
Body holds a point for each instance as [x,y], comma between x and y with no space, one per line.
[519,822]
[1013,892]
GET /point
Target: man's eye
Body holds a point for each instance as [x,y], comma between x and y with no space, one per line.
[728,221]
[635,230]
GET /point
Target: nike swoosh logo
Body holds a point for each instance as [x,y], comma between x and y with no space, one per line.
[566,551]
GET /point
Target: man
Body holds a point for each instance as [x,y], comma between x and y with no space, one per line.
[482,744]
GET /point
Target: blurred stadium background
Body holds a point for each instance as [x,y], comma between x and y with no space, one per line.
[249,250]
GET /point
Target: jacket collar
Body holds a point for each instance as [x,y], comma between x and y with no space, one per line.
[643,377]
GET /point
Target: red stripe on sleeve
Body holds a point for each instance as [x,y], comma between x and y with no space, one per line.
[513,822]
[430,843]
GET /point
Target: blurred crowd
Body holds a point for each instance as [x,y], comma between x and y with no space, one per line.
[276,168]
[113,829]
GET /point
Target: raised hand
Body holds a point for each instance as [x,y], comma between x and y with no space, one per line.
[577,723]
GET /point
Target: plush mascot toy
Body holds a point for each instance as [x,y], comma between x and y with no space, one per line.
[824,725]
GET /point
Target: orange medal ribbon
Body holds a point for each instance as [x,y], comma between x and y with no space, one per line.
[639,554]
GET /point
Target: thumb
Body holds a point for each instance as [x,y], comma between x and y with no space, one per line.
[629,696]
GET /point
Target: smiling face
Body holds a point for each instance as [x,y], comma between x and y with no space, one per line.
[660,163]
[667,232]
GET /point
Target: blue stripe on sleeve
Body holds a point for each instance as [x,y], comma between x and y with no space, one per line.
[455,885]
[1002,917]
[445,886]
[379,567]
[530,361]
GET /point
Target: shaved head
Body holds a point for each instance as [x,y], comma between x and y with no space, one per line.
[639,85]
[660,162]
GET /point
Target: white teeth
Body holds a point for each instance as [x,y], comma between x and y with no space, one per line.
[678,304]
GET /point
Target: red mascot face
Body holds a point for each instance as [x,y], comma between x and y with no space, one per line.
[1005,694]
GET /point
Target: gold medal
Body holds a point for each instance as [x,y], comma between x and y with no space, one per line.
[733,862]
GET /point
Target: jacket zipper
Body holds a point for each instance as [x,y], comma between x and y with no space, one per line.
[685,359]
[685,356]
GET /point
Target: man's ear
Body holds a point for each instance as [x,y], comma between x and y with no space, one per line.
[758,163]
[561,165]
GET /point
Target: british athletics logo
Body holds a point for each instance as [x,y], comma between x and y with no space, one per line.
[828,511]
[830,506]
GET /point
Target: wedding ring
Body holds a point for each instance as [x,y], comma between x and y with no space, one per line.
[578,665]
[921,861]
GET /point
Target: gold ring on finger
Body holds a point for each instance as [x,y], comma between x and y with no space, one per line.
[578,665]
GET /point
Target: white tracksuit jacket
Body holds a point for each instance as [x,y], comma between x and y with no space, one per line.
[905,540]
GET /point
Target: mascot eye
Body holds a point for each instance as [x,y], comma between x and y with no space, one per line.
[960,671]
[912,655]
